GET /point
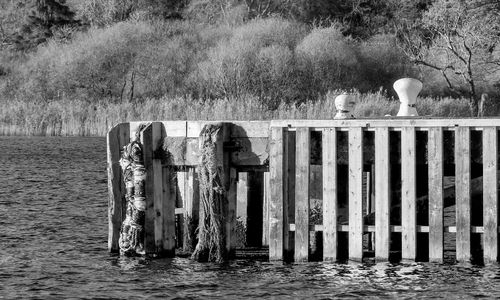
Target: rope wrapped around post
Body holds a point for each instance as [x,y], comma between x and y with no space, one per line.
[131,240]
[211,230]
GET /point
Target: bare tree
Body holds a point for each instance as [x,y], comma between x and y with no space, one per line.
[460,39]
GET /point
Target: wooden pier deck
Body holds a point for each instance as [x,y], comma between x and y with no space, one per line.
[365,184]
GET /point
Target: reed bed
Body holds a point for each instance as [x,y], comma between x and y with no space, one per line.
[82,118]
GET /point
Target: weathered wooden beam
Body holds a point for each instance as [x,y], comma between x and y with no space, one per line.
[117,137]
[191,208]
[408,194]
[243,151]
[276,204]
[150,220]
[230,186]
[355,194]
[436,194]
[395,123]
[330,198]
[242,129]
[302,195]
[382,194]
[265,209]
[168,209]
[155,176]
[463,193]
[490,194]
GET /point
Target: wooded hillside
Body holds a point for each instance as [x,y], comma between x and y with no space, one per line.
[276,51]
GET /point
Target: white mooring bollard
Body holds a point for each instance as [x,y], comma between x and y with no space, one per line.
[407,90]
[344,104]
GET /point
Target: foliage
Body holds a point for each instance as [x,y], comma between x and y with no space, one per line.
[106,12]
[12,15]
[45,17]
[275,52]
[329,59]
[258,59]
[99,63]
[382,62]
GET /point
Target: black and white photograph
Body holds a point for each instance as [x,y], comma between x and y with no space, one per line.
[249,149]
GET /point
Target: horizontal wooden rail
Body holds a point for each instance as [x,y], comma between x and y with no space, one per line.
[393,228]
[388,123]
[392,129]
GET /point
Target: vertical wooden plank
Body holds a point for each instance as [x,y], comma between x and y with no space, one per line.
[124,137]
[330,194]
[276,201]
[265,210]
[355,193]
[490,194]
[436,204]
[302,195]
[231,212]
[382,194]
[463,192]
[157,178]
[289,190]
[180,201]
[150,220]
[408,194]
[191,208]
[230,186]
[117,137]
[168,209]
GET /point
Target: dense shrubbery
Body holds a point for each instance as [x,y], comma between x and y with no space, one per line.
[272,59]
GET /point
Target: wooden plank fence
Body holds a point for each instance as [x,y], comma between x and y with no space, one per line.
[283,150]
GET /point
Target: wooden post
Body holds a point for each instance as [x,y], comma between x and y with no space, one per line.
[157,179]
[436,204]
[117,137]
[289,190]
[265,210]
[191,208]
[408,194]
[463,192]
[180,201]
[149,222]
[168,209]
[277,201]
[151,137]
[230,185]
[302,195]
[231,216]
[382,194]
[356,193]
[490,194]
[330,199]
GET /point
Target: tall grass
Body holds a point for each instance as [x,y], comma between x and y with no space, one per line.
[81,118]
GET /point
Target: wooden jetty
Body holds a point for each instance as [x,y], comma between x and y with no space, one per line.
[382,185]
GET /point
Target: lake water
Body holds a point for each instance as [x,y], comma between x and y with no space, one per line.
[53,245]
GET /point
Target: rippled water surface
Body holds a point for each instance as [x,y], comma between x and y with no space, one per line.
[53,244]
